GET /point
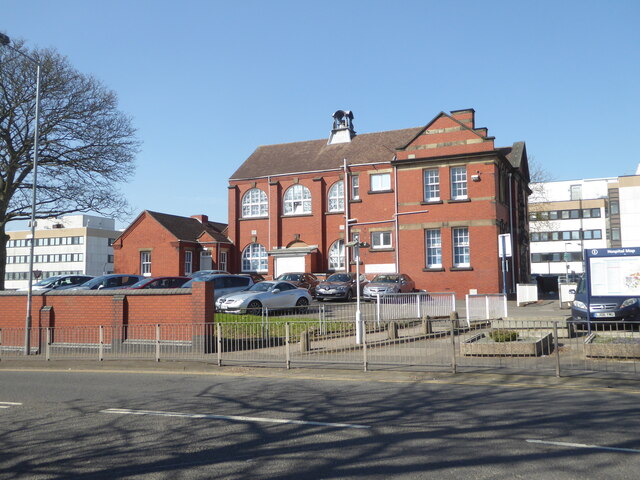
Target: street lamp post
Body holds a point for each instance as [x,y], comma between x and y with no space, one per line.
[5,41]
[566,262]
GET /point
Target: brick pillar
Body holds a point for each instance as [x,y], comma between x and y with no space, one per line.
[319,206]
[119,320]
[233,230]
[202,317]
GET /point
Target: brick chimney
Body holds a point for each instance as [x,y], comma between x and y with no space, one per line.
[466,116]
[201,218]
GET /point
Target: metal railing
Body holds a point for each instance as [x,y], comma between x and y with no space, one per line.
[318,337]
[485,307]
[420,305]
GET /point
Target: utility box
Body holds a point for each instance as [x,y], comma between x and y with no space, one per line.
[526,293]
[565,296]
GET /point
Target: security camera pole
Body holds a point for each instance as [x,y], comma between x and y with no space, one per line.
[356,257]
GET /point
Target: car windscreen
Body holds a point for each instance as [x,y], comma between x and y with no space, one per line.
[140,283]
[387,279]
[94,282]
[339,277]
[46,281]
[262,287]
[290,277]
[582,286]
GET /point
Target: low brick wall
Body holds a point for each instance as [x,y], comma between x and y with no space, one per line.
[533,348]
[122,312]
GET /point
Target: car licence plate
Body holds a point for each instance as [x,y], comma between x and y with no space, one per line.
[604,314]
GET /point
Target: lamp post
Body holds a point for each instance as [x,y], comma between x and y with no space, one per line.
[356,257]
[566,262]
[5,41]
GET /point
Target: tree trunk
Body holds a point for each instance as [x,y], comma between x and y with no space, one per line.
[4,238]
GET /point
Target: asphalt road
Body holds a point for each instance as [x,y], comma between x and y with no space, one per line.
[63,425]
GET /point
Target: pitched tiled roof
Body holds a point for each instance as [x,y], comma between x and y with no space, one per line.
[317,155]
[514,153]
[190,229]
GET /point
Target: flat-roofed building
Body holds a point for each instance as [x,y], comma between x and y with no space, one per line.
[71,244]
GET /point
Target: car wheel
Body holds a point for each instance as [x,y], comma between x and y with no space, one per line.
[302,305]
[254,308]
[349,296]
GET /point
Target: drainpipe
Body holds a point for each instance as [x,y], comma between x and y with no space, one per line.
[513,273]
[347,237]
[268,213]
[395,195]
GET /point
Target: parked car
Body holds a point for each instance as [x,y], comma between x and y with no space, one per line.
[112,281]
[340,286]
[223,283]
[604,309]
[388,283]
[301,280]
[159,282]
[58,282]
[256,277]
[200,273]
[271,294]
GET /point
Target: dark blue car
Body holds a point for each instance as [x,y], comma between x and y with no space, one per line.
[604,309]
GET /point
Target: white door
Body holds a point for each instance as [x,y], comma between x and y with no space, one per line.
[289,264]
[205,260]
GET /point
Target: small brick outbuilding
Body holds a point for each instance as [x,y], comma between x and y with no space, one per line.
[159,244]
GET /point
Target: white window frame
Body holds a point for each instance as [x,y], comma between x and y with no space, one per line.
[145,263]
[188,262]
[461,249]
[433,247]
[380,182]
[255,258]
[255,204]
[381,240]
[335,198]
[222,262]
[459,183]
[337,256]
[355,187]
[431,185]
[297,200]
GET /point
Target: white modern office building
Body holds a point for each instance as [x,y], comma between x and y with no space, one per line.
[567,217]
[72,244]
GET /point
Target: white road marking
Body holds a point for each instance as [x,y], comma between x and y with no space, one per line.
[126,411]
[9,404]
[582,445]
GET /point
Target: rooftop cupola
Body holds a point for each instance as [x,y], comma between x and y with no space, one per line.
[342,131]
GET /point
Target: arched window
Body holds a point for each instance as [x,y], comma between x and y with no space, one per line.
[297,200]
[336,197]
[254,203]
[336,255]
[254,258]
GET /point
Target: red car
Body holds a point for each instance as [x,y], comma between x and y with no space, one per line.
[160,282]
[301,280]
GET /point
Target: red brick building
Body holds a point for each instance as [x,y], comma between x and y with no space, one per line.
[431,201]
[158,244]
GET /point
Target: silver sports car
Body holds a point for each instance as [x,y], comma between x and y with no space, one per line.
[269,294]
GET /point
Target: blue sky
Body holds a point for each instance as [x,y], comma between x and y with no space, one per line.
[206,82]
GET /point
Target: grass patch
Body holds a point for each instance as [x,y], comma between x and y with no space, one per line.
[255,326]
[503,335]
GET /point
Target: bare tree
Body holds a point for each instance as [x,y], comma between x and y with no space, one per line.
[86,145]
[539,175]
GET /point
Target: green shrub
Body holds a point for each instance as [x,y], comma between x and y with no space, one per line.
[503,335]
